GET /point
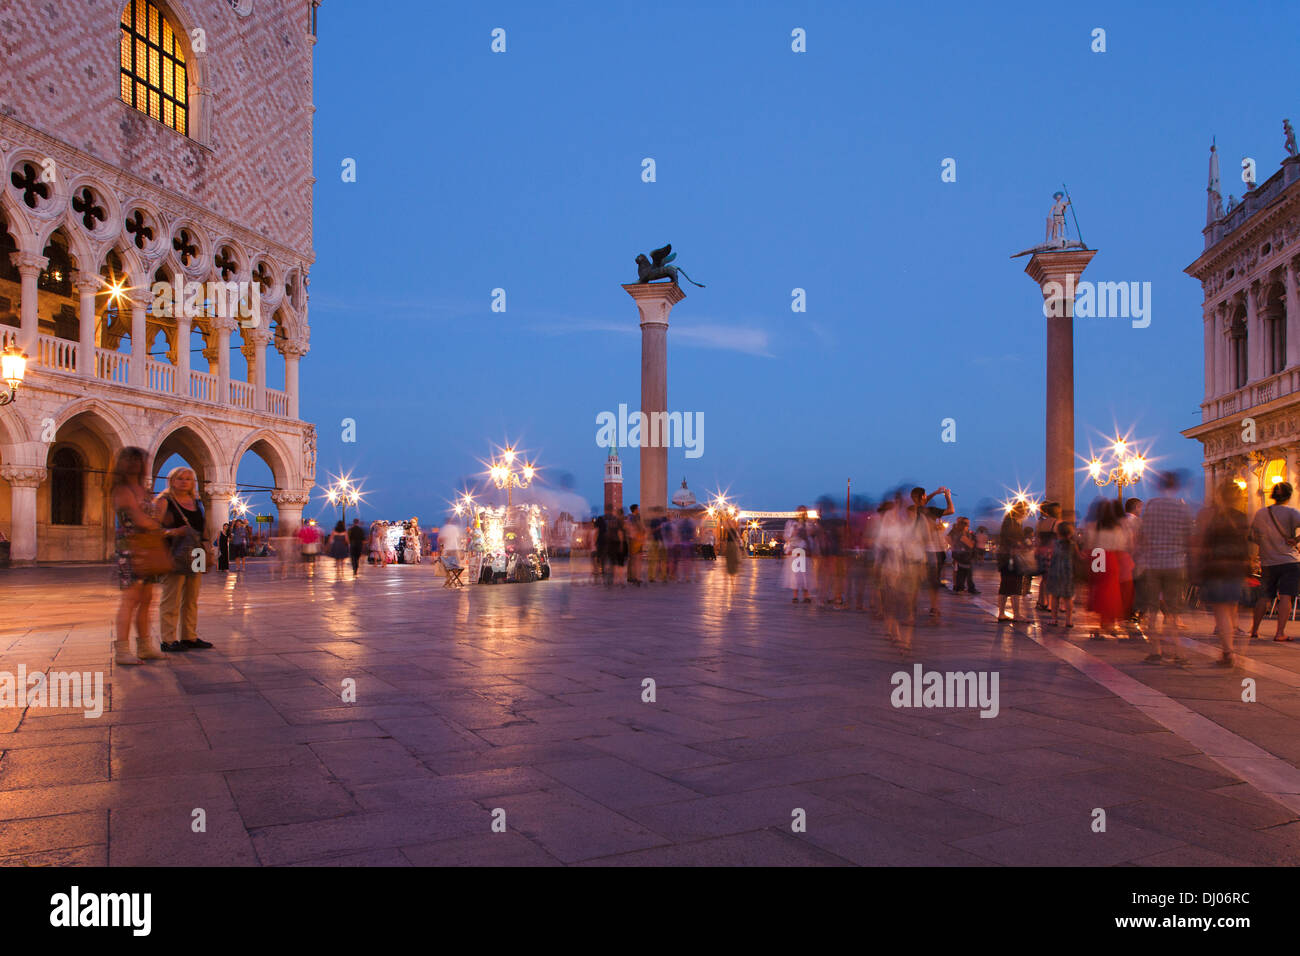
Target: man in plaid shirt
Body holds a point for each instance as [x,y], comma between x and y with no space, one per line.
[1162,545]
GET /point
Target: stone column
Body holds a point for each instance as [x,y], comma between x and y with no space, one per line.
[182,382]
[254,349]
[292,352]
[23,482]
[1211,481]
[87,284]
[29,268]
[1058,273]
[216,502]
[223,326]
[139,338]
[1292,316]
[289,505]
[654,301]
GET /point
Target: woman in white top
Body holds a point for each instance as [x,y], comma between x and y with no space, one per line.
[794,573]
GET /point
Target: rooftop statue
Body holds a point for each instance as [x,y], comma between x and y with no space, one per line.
[1055,239]
[1290,137]
[659,268]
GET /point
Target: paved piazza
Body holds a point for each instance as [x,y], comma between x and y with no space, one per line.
[528,698]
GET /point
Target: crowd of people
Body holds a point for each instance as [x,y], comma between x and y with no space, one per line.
[634,549]
[1135,564]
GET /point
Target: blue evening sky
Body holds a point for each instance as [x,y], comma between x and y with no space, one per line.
[775,170]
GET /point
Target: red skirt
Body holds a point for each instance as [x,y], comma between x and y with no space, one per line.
[1111,591]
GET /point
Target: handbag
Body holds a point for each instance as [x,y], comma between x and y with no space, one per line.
[1024,562]
[147,554]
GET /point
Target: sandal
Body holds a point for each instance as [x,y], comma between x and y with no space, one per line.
[1152,659]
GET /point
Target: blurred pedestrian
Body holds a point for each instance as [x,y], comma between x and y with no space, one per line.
[1164,537]
[356,544]
[1058,582]
[135,527]
[1111,570]
[1011,573]
[1274,532]
[794,572]
[1223,561]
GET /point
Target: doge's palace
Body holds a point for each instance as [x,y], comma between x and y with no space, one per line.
[155,230]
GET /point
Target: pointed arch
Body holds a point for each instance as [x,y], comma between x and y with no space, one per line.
[272,449]
[193,439]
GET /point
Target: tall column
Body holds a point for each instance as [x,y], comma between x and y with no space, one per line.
[182,382]
[23,482]
[654,301]
[292,351]
[1058,273]
[87,284]
[254,349]
[289,505]
[216,503]
[223,326]
[29,268]
[1292,316]
[1211,481]
[139,338]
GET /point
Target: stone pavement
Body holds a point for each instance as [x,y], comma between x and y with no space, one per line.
[528,699]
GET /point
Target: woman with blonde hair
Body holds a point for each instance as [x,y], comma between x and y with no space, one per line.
[181,513]
[133,515]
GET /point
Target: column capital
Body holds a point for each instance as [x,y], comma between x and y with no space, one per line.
[295,347]
[654,300]
[218,490]
[28,263]
[23,476]
[286,497]
[87,282]
[1046,268]
[223,324]
[255,335]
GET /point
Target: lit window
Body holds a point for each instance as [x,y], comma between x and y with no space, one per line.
[153,65]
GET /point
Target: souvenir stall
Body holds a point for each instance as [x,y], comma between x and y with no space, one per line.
[509,547]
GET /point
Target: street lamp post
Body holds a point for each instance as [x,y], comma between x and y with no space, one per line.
[1127,470]
[504,476]
[344,493]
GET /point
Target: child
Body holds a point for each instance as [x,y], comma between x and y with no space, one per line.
[1059,582]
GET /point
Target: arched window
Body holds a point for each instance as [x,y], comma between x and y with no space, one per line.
[154,78]
[67,486]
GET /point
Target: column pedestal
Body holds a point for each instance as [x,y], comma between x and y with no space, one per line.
[1058,273]
[654,301]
